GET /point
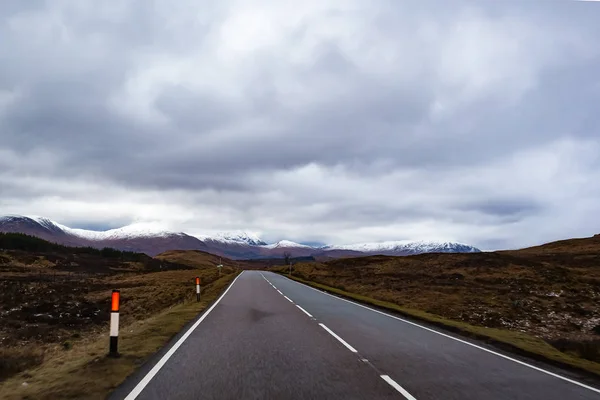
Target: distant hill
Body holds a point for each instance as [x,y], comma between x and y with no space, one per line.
[89,259]
[590,245]
[238,245]
[134,238]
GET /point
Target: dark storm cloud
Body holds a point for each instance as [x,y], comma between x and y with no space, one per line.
[219,98]
[374,118]
[506,208]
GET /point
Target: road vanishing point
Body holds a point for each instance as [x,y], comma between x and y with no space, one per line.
[268,337]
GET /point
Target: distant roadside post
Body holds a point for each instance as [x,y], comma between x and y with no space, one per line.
[220,266]
[114,324]
[197,288]
[287,260]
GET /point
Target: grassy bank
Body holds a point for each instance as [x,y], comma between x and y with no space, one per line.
[517,342]
[54,313]
[85,371]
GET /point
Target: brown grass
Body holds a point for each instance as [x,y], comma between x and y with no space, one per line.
[70,358]
[15,360]
[194,258]
[514,341]
[201,259]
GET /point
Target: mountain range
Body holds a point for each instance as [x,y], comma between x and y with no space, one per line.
[238,245]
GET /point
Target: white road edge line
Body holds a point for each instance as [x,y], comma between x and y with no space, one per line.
[288,299]
[458,340]
[397,387]
[342,341]
[280,292]
[144,382]
[304,311]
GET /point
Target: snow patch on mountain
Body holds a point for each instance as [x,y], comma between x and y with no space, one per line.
[133,231]
[240,237]
[33,219]
[45,222]
[285,244]
[421,246]
[138,230]
[9,218]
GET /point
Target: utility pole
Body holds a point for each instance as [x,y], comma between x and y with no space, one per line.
[290,268]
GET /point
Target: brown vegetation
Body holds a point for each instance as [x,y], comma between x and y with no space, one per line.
[550,292]
[54,312]
[194,258]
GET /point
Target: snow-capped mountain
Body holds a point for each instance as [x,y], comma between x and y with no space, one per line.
[287,244]
[153,239]
[404,247]
[234,237]
[144,238]
[139,230]
[36,226]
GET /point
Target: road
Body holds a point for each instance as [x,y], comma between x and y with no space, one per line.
[269,337]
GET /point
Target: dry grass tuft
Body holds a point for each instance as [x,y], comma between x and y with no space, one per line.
[15,360]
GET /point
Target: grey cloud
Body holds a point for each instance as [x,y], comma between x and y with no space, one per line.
[375,119]
[194,112]
[356,215]
[310,98]
[505,207]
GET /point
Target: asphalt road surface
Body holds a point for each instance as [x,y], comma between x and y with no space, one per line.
[269,337]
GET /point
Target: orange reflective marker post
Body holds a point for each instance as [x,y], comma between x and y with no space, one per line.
[114,323]
[197,288]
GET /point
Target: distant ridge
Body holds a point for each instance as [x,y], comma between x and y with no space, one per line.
[152,240]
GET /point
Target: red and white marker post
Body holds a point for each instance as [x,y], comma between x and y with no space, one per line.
[197,288]
[114,324]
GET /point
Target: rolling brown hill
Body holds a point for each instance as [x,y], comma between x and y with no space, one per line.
[55,299]
[579,246]
[201,259]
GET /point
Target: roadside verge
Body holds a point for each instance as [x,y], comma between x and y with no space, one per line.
[87,372]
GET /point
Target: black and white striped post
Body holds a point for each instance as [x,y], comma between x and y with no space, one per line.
[197,288]
[114,324]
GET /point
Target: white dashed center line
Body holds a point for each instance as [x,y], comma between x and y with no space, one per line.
[342,341]
[397,387]
[304,311]
[386,378]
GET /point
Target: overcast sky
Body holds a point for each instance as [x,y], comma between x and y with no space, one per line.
[315,120]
